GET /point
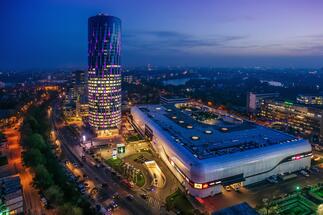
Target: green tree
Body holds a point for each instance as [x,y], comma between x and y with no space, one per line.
[54,194]
[70,210]
[43,178]
[37,141]
[34,124]
[33,157]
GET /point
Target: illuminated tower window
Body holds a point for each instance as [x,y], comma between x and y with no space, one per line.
[104,72]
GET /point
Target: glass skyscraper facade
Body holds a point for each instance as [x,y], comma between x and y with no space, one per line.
[104,72]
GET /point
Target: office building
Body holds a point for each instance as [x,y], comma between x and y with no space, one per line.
[310,99]
[104,73]
[254,100]
[299,119]
[79,84]
[208,149]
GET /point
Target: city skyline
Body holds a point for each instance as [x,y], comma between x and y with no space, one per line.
[161,107]
[215,33]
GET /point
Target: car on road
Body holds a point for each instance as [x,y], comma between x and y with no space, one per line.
[127,183]
[235,187]
[114,205]
[44,202]
[144,196]
[130,197]
[109,209]
[227,188]
[116,195]
[150,188]
[272,179]
[304,173]
[315,169]
[94,191]
[83,190]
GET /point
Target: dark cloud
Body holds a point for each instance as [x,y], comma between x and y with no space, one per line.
[163,41]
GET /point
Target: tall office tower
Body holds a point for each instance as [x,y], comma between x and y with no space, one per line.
[79,82]
[79,91]
[104,73]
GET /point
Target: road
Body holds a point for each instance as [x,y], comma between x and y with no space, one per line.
[73,151]
[32,200]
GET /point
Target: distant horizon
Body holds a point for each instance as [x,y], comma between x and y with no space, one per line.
[220,33]
[160,67]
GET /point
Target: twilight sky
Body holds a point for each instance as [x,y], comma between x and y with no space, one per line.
[224,33]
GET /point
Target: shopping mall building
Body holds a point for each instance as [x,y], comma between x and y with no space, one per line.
[208,149]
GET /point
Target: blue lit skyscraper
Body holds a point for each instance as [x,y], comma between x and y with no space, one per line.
[104,73]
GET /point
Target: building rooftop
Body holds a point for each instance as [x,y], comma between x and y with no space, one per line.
[207,132]
[173,97]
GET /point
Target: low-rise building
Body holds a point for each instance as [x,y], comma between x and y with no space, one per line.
[7,117]
[12,194]
[310,99]
[166,99]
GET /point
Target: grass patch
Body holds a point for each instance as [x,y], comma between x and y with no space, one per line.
[117,163]
[319,193]
[133,138]
[140,180]
[145,150]
[114,163]
[179,202]
[3,160]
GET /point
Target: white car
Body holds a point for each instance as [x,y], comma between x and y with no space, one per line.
[304,173]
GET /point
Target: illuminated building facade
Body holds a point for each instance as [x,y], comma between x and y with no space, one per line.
[301,120]
[254,100]
[104,73]
[310,99]
[207,149]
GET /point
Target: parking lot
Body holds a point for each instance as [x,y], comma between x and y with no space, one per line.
[255,193]
[75,174]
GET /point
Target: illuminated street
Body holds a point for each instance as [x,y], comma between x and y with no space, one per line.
[14,151]
[99,176]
